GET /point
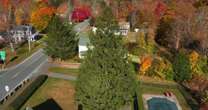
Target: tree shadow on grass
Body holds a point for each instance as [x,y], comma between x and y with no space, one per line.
[49,104]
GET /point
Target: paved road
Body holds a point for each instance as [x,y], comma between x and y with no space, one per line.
[81,26]
[14,76]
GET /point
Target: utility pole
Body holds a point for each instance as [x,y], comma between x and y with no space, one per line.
[29,38]
[9,35]
[10,18]
[29,43]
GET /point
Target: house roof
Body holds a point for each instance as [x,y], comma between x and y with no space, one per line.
[3,33]
[22,28]
[84,39]
[124,25]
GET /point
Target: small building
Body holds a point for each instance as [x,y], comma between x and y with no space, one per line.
[124,28]
[22,33]
[84,42]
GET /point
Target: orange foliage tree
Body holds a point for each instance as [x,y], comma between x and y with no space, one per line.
[145,65]
[5,4]
[41,17]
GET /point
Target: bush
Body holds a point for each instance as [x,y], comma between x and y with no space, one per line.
[21,98]
[181,67]
[199,64]
[203,65]
[138,51]
[162,69]
[146,43]
[2,45]
[205,96]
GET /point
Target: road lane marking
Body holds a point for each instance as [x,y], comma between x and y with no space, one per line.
[38,68]
[16,74]
[23,69]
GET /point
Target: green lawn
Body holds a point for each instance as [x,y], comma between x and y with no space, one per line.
[61,91]
[148,88]
[67,71]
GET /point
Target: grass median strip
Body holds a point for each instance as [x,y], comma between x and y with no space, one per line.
[66,71]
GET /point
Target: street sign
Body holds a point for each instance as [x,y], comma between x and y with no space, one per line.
[3,55]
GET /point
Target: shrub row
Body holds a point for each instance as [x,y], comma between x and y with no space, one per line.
[25,93]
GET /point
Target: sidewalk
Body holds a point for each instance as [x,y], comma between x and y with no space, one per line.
[65,65]
[62,76]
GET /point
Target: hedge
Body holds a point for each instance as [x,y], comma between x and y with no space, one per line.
[25,94]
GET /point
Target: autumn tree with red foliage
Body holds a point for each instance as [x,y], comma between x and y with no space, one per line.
[81,13]
[160,10]
[5,4]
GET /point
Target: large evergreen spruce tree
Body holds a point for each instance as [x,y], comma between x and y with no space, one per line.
[62,41]
[106,80]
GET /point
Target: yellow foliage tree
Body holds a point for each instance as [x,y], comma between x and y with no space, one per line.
[194,58]
[141,39]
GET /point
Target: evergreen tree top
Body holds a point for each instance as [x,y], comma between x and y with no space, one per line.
[106,21]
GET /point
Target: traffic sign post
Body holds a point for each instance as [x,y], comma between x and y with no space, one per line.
[2,58]
[2,55]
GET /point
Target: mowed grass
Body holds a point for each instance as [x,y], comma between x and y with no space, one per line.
[62,70]
[159,90]
[61,91]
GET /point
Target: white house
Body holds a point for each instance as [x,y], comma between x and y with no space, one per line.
[84,41]
[124,28]
[22,33]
